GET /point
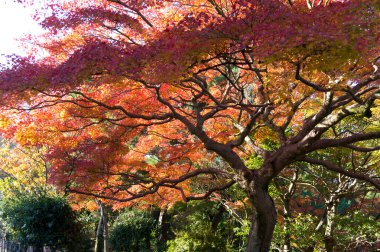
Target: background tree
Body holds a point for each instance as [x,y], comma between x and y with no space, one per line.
[134,97]
[26,167]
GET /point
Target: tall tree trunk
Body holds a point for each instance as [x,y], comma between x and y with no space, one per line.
[160,224]
[287,242]
[263,220]
[102,230]
[98,236]
[105,228]
[287,211]
[251,235]
[330,215]
[105,235]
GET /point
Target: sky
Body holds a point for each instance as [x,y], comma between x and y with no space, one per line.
[15,20]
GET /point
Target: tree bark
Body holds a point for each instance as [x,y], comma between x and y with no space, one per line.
[263,220]
[251,235]
[98,236]
[160,224]
[105,228]
[330,215]
[105,234]
[102,231]
[287,242]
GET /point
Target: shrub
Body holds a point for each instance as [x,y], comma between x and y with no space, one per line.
[42,220]
[133,230]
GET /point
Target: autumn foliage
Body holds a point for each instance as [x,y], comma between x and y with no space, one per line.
[137,99]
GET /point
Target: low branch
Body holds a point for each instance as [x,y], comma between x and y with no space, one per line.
[362,149]
[170,183]
[328,143]
[211,191]
[333,167]
[123,110]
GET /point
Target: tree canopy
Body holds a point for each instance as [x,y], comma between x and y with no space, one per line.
[136,100]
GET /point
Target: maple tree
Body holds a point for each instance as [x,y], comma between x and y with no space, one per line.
[137,99]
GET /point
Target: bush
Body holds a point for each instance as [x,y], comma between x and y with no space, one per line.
[133,230]
[42,220]
[193,228]
[198,237]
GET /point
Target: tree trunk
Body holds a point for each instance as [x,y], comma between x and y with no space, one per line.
[102,230]
[263,220]
[287,219]
[98,236]
[330,215]
[105,228]
[105,234]
[160,224]
[287,243]
[251,235]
